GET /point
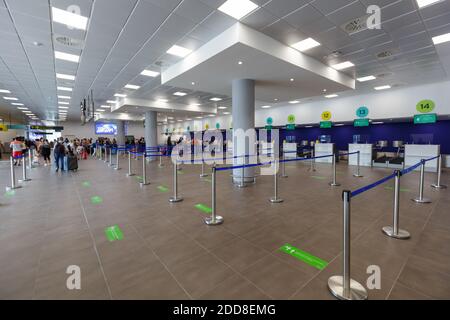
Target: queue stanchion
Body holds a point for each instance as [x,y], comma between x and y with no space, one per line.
[24,170]
[214,220]
[334,183]
[394,231]
[106,155]
[13,177]
[203,174]
[175,197]
[420,198]
[30,158]
[101,154]
[117,167]
[344,287]
[129,174]
[358,169]
[110,158]
[283,167]
[144,172]
[275,198]
[160,160]
[438,184]
[313,161]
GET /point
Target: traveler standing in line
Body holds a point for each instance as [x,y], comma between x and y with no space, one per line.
[16,147]
[44,151]
[60,153]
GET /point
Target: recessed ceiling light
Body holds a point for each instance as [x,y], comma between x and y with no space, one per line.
[65,76]
[4,91]
[266,107]
[65,89]
[240,62]
[179,51]
[180,94]
[226,113]
[215,99]
[64,108]
[149,73]
[275,99]
[343,65]
[179,120]
[162,100]
[10,98]
[211,115]
[305,44]
[222,108]
[107,107]
[132,87]
[69,19]
[100,110]
[63,103]
[119,95]
[294,101]
[22,108]
[67,56]
[111,101]
[195,104]
[382,87]
[193,83]
[330,96]
[424,3]
[377,122]
[64,97]
[238,8]
[188,119]
[198,117]
[170,118]
[441,39]
[17,104]
[26,111]
[364,79]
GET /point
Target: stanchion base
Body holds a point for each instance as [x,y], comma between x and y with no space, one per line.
[210,222]
[358,175]
[23,180]
[160,166]
[357,291]
[203,175]
[402,234]
[334,184]
[276,200]
[130,174]
[117,168]
[424,200]
[241,186]
[174,200]
[439,186]
[144,184]
[284,176]
[11,188]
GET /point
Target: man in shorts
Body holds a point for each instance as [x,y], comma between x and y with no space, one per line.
[16,147]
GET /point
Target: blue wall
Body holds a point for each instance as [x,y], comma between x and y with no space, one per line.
[438,133]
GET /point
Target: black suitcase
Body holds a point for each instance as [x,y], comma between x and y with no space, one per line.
[72,163]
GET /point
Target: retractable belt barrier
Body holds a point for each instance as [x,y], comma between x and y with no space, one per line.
[342,286]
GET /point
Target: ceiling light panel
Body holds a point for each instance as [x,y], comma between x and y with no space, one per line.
[69,19]
[65,89]
[343,65]
[67,56]
[238,8]
[305,45]
[132,87]
[179,51]
[364,79]
[65,76]
[149,73]
[441,39]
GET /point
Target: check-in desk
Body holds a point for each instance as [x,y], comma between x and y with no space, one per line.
[365,153]
[416,152]
[289,150]
[324,149]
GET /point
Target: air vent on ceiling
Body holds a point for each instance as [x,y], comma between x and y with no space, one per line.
[355,25]
[69,42]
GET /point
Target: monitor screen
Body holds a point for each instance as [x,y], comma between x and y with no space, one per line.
[106,128]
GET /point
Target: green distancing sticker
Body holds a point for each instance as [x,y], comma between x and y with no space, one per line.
[180,172]
[163,189]
[391,188]
[207,180]
[139,178]
[86,184]
[10,193]
[318,177]
[113,233]
[96,200]
[203,208]
[304,256]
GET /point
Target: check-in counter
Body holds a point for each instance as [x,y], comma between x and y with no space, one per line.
[289,150]
[365,154]
[324,149]
[416,152]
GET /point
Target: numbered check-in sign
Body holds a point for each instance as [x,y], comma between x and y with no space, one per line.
[425,106]
[362,112]
[326,115]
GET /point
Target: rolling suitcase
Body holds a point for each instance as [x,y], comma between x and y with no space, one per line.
[72,163]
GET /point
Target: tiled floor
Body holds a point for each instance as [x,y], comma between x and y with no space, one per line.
[168,252]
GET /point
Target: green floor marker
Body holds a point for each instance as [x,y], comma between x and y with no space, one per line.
[207,180]
[96,200]
[180,172]
[163,189]
[86,184]
[304,256]
[390,188]
[10,193]
[139,178]
[113,233]
[203,208]
[318,177]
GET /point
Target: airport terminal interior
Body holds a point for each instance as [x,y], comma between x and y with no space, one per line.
[225,149]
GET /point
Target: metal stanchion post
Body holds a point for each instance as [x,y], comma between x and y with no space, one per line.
[344,287]
[30,158]
[24,170]
[106,155]
[438,184]
[214,219]
[334,182]
[175,197]
[13,177]
[160,160]
[395,231]
[313,161]
[110,158]
[275,198]
[117,160]
[358,169]
[144,172]
[203,174]
[101,154]
[420,198]
[129,174]
[283,168]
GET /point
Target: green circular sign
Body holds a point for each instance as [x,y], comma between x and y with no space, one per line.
[291,119]
[269,121]
[362,112]
[217,125]
[425,106]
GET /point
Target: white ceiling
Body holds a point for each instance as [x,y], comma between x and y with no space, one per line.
[126,36]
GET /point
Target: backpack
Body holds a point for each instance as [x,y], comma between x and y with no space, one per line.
[60,149]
